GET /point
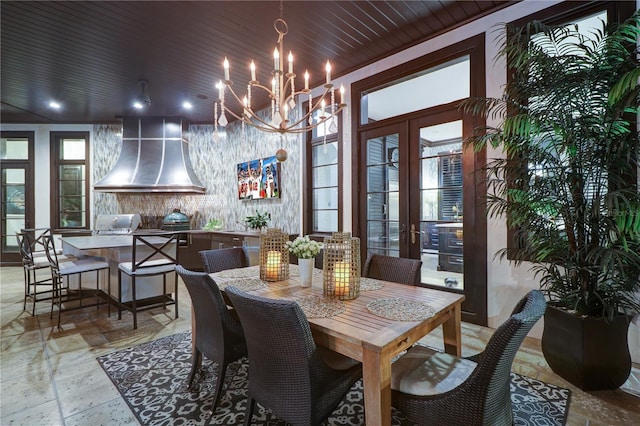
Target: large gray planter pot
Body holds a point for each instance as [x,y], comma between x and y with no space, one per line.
[591,353]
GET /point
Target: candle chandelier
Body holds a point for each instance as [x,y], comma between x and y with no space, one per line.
[283,96]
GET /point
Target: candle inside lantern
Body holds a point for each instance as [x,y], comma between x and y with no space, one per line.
[341,274]
[273,264]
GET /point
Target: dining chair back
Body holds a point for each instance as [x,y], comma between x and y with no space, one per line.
[217,334]
[152,254]
[289,375]
[226,258]
[61,272]
[396,269]
[434,388]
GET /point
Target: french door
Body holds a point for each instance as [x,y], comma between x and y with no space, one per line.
[419,199]
[16,191]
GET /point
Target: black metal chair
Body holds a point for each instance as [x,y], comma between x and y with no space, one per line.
[152,254]
[62,272]
[218,334]
[34,259]
[396,269]
[226,258]
[434,388]
[289,375]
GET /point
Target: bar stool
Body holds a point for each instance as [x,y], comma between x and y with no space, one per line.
[34,259]
[61,272]
[152,254]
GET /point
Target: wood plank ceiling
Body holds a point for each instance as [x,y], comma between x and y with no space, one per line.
[90,55]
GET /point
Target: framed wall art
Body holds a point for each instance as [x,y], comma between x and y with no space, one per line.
[259,179]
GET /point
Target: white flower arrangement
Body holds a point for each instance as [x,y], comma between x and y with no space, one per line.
[304,247]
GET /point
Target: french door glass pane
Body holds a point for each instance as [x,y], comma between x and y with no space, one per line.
[383,196]
[13,206]
[441,235]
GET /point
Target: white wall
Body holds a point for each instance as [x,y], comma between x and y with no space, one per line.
[506,284]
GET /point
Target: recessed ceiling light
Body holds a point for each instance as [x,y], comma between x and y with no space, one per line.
[187,105]
[54,105]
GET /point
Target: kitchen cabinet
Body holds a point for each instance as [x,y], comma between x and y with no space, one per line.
[198,240]
[450,243]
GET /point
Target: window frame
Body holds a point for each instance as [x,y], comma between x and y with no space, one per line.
[55,142]
[566,12]
[308,183]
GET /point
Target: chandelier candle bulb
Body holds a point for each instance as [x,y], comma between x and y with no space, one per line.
[225,64]
[290,63]
[252,67]
[328,69]
[276,59]
[306,80]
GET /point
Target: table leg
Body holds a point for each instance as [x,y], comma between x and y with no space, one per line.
[451,332]
[376,378]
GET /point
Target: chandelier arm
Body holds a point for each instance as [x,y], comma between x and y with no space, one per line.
[293,129]
[314,108]
[251,113]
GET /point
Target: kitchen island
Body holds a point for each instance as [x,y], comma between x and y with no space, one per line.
[116,249]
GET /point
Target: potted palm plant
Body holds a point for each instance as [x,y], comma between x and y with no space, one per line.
[568,187]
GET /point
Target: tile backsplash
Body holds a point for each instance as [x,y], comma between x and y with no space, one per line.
[214,162]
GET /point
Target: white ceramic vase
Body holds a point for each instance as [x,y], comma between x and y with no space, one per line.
[306,271]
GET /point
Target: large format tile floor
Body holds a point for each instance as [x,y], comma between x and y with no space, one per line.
[51,377]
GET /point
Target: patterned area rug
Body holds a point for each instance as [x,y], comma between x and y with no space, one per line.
[151,378]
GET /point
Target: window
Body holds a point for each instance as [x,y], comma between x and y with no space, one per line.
[70,171]
[399,97]
[549,158]
[323,212]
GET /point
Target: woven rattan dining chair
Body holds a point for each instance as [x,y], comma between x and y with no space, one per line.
[434,388]
[289,375]
[218,334]
[152,254]
[226,258]
[61,272]
[396,269]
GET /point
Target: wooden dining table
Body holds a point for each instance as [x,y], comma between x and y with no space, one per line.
[362,335]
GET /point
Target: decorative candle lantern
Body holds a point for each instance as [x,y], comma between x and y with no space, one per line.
[341,266]
[274,255]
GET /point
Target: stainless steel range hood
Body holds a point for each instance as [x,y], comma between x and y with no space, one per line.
[154,158]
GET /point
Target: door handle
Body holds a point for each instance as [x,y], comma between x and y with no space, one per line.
[414,233]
